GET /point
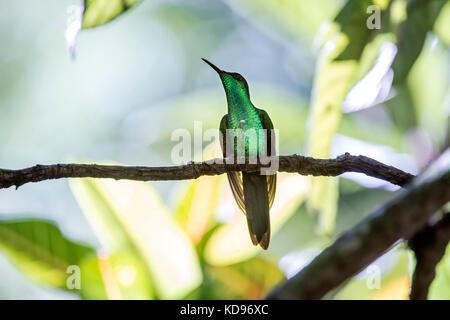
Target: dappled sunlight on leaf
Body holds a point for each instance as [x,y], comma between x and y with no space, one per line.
[130,215]
[325,118]
[195,210]
[397,290]
[111,286]
[251,279]
[163,244]
[124,276]
[115,243]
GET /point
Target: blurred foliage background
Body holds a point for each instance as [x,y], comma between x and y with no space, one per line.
[330,84]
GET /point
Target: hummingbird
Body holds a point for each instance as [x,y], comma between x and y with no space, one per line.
[254,193]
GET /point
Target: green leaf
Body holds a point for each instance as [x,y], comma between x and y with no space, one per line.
[130,216]
[114,239]
[41,251]
[92,279]
[440,287]
[100,215]
[401,108]
[352,22]
[231,242]
[411,34]
[195,210]
[429,86]
[251,279]
[337,70]
[125,276]
[99,12]
[442,24]
[323,199]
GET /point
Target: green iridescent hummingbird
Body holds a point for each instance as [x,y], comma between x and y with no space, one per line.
[253,192]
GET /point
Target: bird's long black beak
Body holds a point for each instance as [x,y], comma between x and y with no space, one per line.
[213,66]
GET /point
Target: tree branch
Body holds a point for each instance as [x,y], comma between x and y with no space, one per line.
[429,247]
[358,247]
[293,164]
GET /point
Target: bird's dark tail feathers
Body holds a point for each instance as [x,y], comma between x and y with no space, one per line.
[256,201]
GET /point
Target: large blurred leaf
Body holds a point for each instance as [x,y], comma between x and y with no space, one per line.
[440,287]
[125,276]
[352,22]
[42,252]
[250,279]
[111,234]
[421,16]
[336,71]
[130,216]
[198,203]
[401,108]
[99,12]
[415,19]
[231,243]
[429,82]
[442,24]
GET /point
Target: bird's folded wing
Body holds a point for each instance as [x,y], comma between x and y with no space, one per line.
[234,178]
[271,179]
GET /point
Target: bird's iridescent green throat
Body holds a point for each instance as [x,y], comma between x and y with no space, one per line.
[242,115]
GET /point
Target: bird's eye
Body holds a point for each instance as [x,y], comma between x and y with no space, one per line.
[237,76]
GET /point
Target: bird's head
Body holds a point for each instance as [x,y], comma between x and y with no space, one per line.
[231,80]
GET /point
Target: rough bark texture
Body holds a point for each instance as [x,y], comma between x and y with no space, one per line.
[293,164]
